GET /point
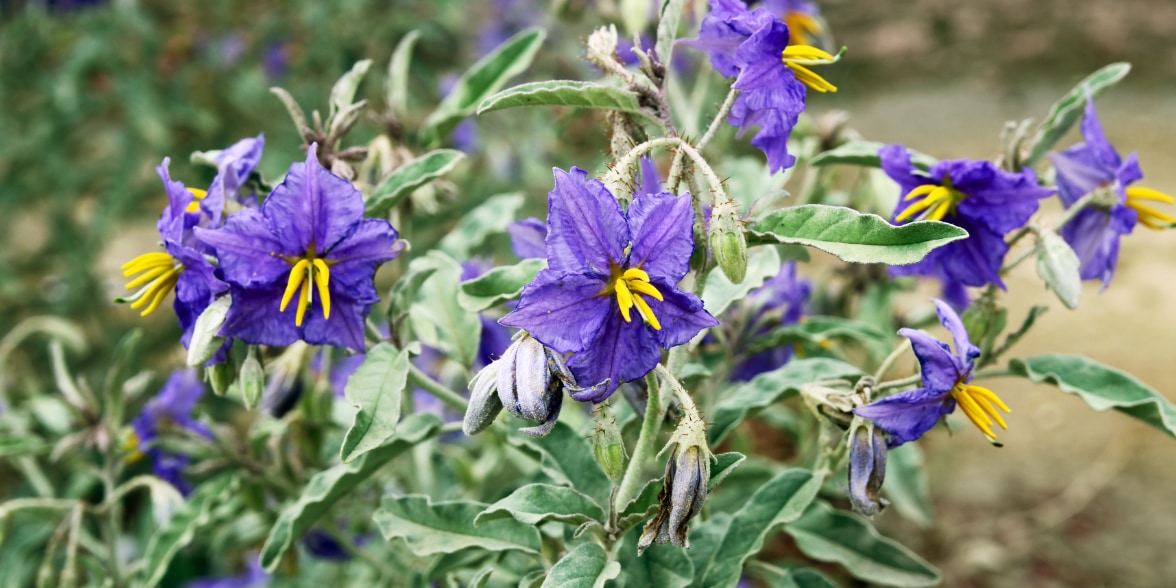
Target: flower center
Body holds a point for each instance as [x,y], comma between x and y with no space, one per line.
[801,27]
[938,201]
[979,404]
[1150,217]
[158,274]
[194,205]
[629,286]
[307,273]
[798,57]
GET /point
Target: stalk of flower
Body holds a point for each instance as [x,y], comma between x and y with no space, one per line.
[302,266]
[609,295]
[908,415]
[1095,167]
[978,196]
[772,71]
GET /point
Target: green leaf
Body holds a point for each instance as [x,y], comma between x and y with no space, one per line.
[397,83]
[1057,264]
[845,538]
[663,566]
[566,458]
[586,566]
[865,153]
[406,289]
[818,330]
[429,528]
[482,79]
[794,577]
[535,503]
[667,29]
[564,93]
[498,285]
[853,236]
[720,293]
[486,219]
[907,486]
[1100,386]
[641,507]
[782,500]
[376,388]
[343,92]
[20,446]
[410,176]
[329,486]
[1065,112]
[182,527]
[436,317]
[770,387]
[725,463]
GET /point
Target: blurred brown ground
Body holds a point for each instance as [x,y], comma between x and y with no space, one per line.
[1075,498]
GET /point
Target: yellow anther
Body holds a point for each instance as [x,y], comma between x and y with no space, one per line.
[194,205]
[146,261]
[645,288]
[303,302]
[979,405]
[1148,216]
[797,57]
[322,276]
[647,313]
[154,293]
[801,27]
[629,287]
[149,275]
[803,53]
[939,200]
[158,274]
[297,276]
[307,274]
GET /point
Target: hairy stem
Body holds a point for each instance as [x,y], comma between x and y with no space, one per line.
[655,413]
[890,359]
[428,384]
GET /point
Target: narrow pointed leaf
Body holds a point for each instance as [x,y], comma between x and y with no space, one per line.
[409,177]
[853,236]
[397,83]
[865,153]
[1102,387]
[794,577]
[329,486]
[720,293]
[586,566]
[343,92]
[845,538]
[667,29]
[376,388]
[1066,111]
[430,528]
[564,93]
[1057,265]
[498,285]
[535,503]
[182,527]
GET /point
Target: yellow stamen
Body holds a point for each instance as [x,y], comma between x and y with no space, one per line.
[158,274]
[923,190]
[804,53]
[798,57]
[647,289]
[647,313]
[145,261]
[303,301]
[307,274]
[801,27]
[939,200]
[979,405]
[629,287]
[194,205]
[322,276]
[624,299]
[148,275]
[1148,216]
[157,291]
[810,78]
[297,276]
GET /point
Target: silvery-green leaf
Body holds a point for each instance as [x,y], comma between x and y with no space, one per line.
[535,503]
[792,577]
[1102,387]
[182,527]
[343,92]
[725,463]
[663,566]
[564,455]
[1066,111]
[498,285]
[585,566]
[488,218]
[430,528]
[435,316]
[376,388]
[205,341]
[397,83]
[906,484]
[719,294]
[591,95]
[667,29]
[410,176]
[865,153]
[292,107]
[1057,264]
[853,236]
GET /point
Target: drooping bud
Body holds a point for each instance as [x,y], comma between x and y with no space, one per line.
[867,467]
[607,445]
[251,379]
[205,341]
[220,377]
[684,490]
[727,242]
[484,403]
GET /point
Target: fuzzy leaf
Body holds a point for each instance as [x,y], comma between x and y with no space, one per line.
[663,566]
[535,503]
[1066,111]
[498,285]
[343,92]
[376,388]
[435,315]
[794,577]
[566,458]
[1102,387]
[486,219]
[865,153]
[410,176]
[586,566]
[720,293]
[396,87]
[1057,265]
[906,484]
[182,527]
[563,93]
[667,29]
[429,528]
[853,236]
[828,535]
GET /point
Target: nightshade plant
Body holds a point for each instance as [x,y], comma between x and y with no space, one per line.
[365,319]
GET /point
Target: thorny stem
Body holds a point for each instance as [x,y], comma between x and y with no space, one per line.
[890,359]
[621,173]
[675,176]
[428,384]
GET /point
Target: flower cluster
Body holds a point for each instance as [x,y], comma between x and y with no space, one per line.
[771,69]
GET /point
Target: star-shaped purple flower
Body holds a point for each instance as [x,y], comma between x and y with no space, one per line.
[308,245]
[772,76]
[907,415]
[609,295]
[1094,167]
[171,408]
[977,196]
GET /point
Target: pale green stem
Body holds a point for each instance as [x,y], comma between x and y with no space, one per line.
[428,384]
[675,176]
[655,413]
[622,173]
[890,359]
[902,383]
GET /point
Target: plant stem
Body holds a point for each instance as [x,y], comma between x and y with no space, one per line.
[428,384]
[902,383]
[890,359]
[655,413]
[718,120]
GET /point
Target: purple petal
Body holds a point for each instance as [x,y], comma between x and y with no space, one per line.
[1078,173]
[586,230]
[1097,144]
[726,26]
[896,162]
[234,166]
[562,311]
[650,179]
[355,258]
[974,261]
[345,328]
[248,251]
[528,238]
[775,126]
[1094,235]
[663,235]
[940,369]
[907,416]
[312,207]
[951,321]
[1001,200]
[255,319]
[681,316]
[172,222]
[621,351]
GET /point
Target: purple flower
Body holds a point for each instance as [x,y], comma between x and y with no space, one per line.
[977,196]
[528,238]
[1094,167]
[906,416]
[310,242]
[602,264]
[171,408]
[771,74]
[802,17]
[780,301]
[253,577]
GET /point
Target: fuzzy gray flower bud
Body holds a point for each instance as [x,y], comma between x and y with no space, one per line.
[484,404]
[684,490]
[251,379]
[727,242]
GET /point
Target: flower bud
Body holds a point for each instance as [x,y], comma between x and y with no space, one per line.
[607,445]
[867,467]
[251,379]
[205,341]
[602,47]
[685,486]
[484,403]
[527,387]
[727,242]
[220,376]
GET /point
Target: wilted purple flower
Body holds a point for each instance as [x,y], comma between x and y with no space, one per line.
[780,301]
[254,576]
[906,416]
[977,196]
[601,264]
[772,75]
[1094,167]
[308,238]
[171,408]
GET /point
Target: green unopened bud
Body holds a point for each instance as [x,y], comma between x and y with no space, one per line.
[221,377]
[727,242]
[205,341]
[607,445]
[251,379]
